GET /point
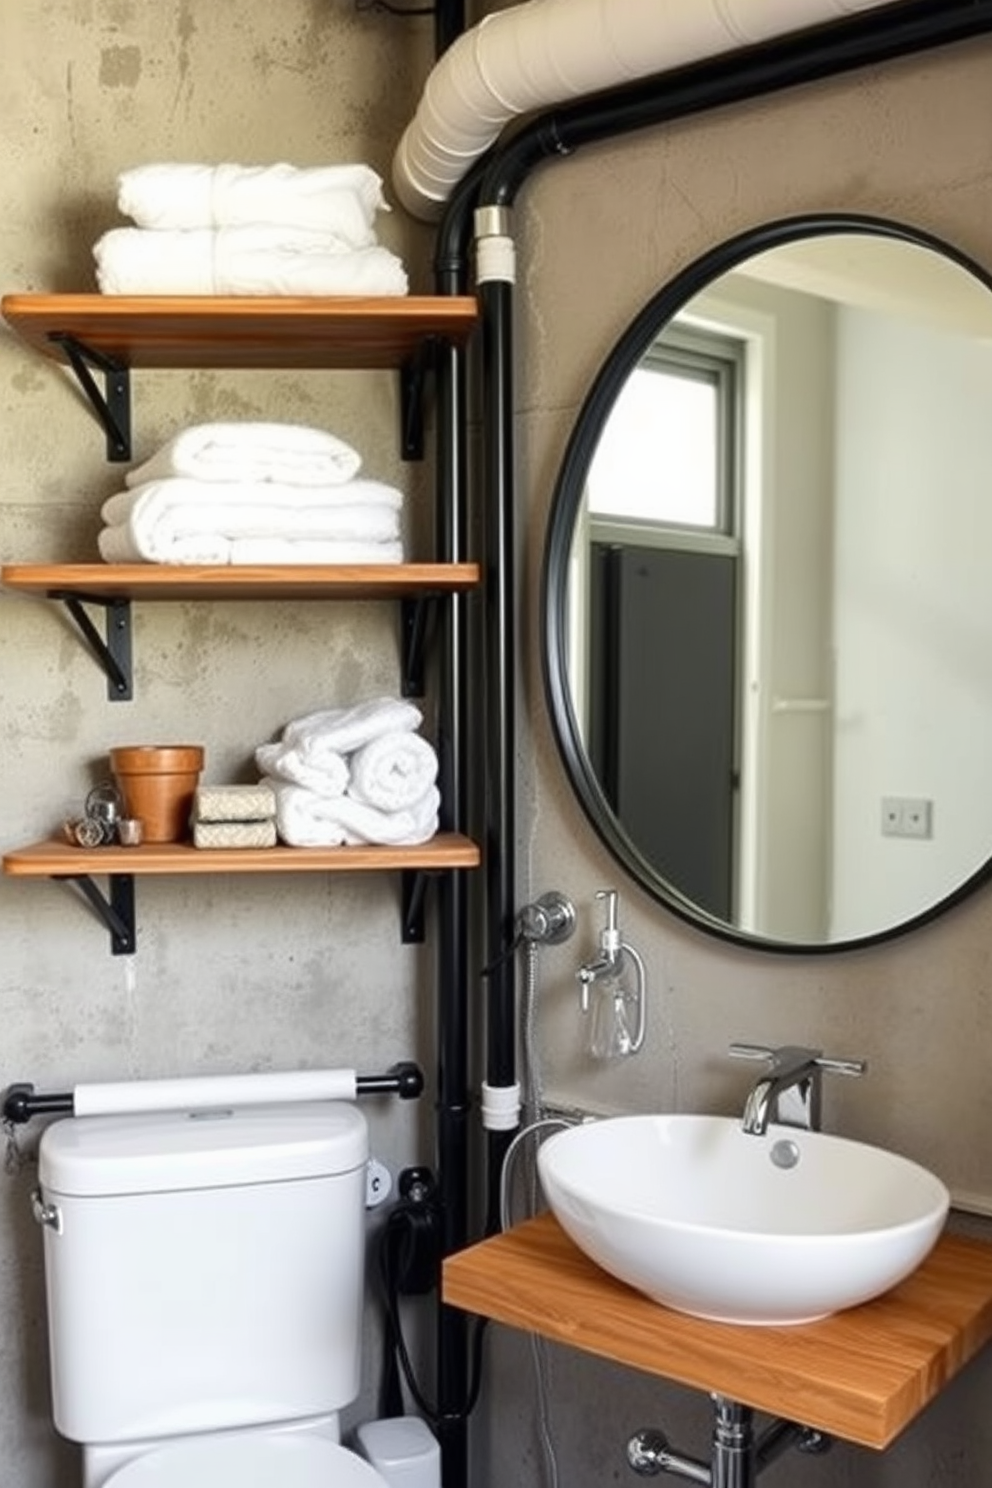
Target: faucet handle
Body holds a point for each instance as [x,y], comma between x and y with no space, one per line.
[842,1066]
[750,1051]
[815,1056]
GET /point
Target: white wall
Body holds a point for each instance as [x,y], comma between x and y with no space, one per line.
[913,610]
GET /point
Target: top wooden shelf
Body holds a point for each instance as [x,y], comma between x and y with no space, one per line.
[240,331]
[862,1375]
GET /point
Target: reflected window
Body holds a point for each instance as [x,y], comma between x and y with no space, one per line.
[667,455]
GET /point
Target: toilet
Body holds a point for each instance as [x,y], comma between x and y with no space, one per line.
[204,1276]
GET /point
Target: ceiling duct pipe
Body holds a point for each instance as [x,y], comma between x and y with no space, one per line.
[546,52]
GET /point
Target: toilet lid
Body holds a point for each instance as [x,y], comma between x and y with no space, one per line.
[257,1461]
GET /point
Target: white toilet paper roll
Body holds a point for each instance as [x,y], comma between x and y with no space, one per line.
[202,1092]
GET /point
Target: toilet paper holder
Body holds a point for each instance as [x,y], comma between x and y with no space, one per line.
[21,1101]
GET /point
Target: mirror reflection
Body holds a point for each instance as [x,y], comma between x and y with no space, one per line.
[768,598]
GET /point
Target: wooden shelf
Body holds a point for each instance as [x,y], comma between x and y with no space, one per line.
[55,859]
[861,1375]
[152,581]
[190,331]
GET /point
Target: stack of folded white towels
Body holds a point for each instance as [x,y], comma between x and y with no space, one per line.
[354,775]
[264,493]
[248,230]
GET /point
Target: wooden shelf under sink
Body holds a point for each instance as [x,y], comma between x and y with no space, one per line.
[861,1375]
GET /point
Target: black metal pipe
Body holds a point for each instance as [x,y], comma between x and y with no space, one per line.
[452,1014]
[869,39]
[500,714]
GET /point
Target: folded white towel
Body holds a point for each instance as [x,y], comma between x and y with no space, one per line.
[241,261]
[393,771]
[308,820]
[285,454]
[340,199]
[286,763]
[117,546]
[177,520]
[342,730]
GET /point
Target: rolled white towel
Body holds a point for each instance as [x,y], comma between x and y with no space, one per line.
[308,820]
[343,730]
[393,771]
[178,520]
[342,199]
[283,454]
[283,762]
[242,261]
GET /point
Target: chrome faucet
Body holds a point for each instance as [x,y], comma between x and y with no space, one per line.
[790,1093]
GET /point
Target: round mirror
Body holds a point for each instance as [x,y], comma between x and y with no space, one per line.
[768,587]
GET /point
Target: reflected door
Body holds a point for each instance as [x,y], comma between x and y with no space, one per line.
[662,716]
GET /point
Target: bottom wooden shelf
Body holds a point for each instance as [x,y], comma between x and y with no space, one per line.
[55,859]
[861,1375]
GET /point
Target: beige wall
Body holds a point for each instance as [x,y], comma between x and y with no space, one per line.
[230,974]
[910,140]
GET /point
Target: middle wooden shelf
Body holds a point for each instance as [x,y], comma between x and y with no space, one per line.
[113,586]
[155,581]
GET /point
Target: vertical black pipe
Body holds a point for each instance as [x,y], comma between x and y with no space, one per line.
[452,1030]
[500,655]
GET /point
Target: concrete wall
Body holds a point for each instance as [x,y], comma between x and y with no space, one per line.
[231,974]
[604,230]
[268,973]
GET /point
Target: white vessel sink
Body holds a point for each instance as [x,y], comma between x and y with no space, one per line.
[706,1219]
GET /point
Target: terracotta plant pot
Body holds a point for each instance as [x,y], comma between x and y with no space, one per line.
[158,782]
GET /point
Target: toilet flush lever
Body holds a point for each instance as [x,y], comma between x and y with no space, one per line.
[46,1214]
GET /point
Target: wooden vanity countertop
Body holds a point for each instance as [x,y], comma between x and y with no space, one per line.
[860,1375]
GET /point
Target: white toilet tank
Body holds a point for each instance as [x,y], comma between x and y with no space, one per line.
[204,1270]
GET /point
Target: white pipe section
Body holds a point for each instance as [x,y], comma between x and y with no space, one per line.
[548,51]
[208,1092]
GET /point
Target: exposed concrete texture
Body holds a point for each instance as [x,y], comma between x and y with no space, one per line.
[606,229]
[231,974]
[269,973]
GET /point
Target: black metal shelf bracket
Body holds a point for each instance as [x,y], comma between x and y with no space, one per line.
[413,380]
[414,892]
[113,649]
[115,909]
[414,616]
[112,405]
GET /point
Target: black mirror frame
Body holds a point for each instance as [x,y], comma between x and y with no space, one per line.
[566,501]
